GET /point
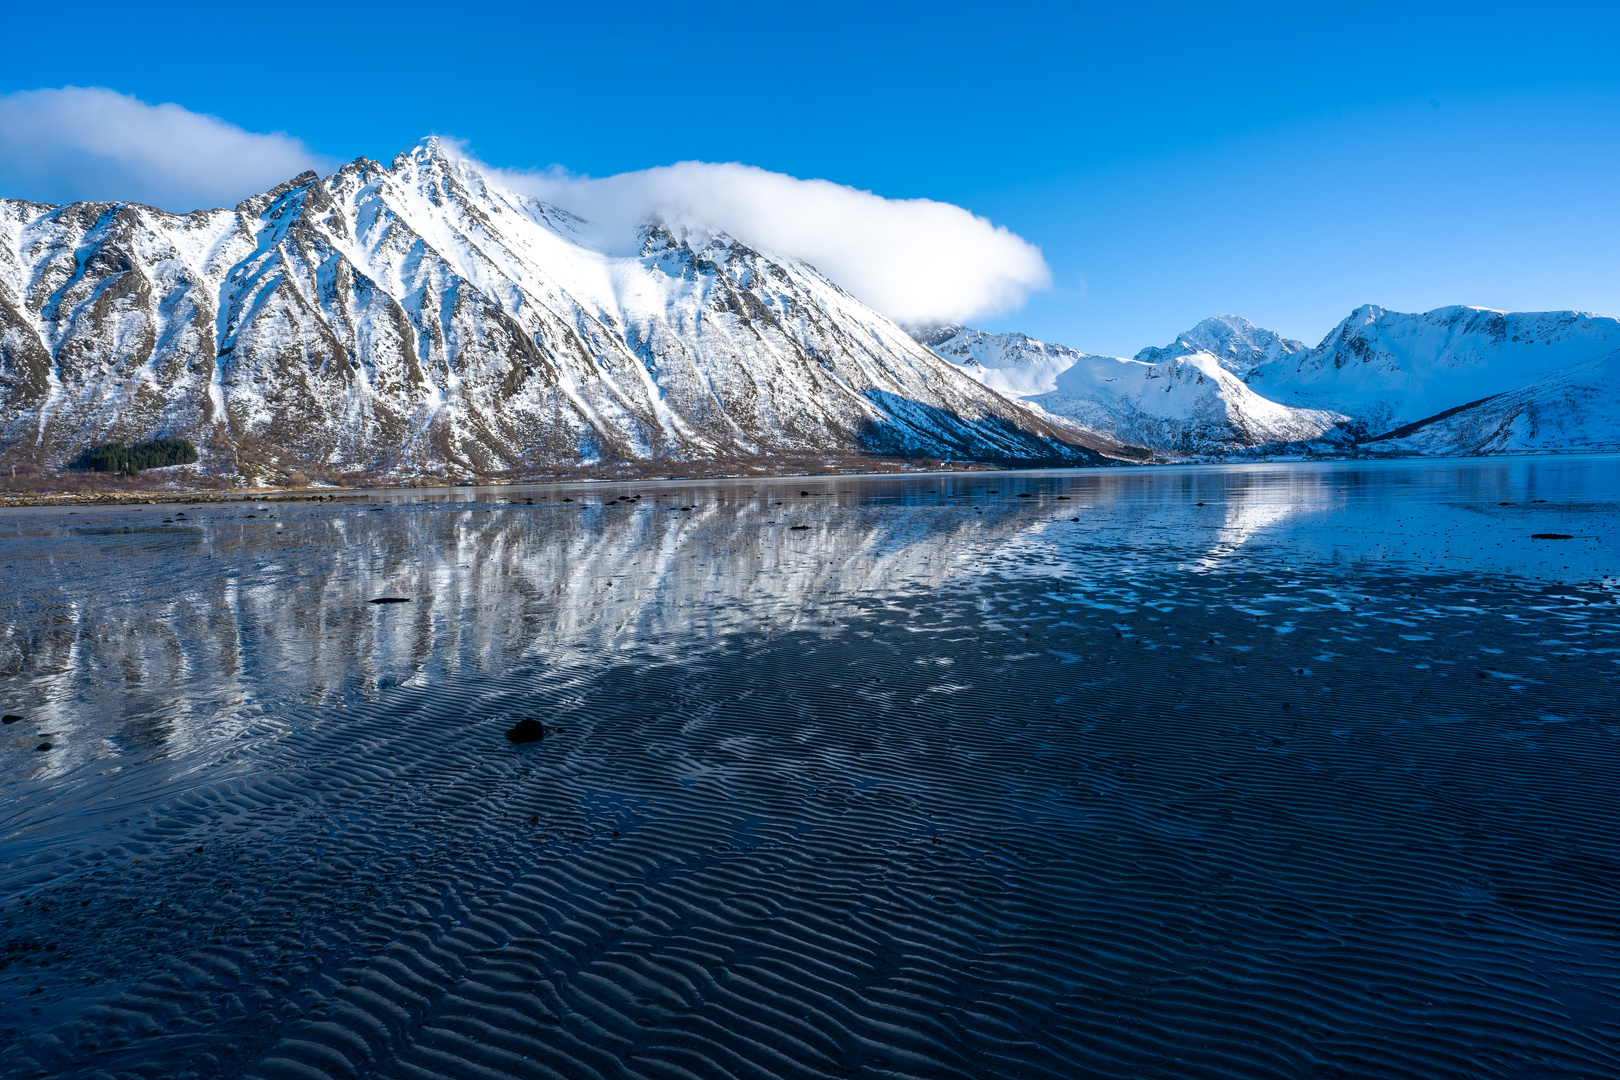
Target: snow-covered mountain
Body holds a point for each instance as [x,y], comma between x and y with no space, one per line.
[1456,380]
[1185,405]
[420,317]
[1389,369]
[1014,364]
[1237,343]
[1188,401]
[1575,409]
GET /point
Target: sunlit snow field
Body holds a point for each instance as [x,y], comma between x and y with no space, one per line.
[1302,770]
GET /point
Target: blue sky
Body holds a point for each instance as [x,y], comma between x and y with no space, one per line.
[1171,161]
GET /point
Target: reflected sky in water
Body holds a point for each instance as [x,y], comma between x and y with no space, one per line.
[126,639]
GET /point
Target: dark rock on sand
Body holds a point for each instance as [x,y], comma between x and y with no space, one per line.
[525,730]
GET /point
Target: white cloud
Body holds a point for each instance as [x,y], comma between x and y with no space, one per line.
[916,260]
[94,143]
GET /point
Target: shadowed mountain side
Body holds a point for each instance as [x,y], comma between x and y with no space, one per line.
[1004,437]
[1570,411]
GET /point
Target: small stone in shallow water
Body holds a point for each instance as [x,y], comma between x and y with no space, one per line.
[525,730]
[389,600]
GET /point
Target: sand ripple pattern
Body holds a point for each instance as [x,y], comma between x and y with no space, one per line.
[1241,820]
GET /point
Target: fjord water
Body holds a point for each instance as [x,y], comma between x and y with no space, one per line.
[1269,770]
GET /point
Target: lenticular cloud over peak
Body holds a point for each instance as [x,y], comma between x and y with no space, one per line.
[78,142]
[916,260]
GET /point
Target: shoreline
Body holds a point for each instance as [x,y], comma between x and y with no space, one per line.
[328,492]
[332,492]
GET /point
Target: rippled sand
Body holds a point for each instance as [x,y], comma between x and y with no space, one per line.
[1294,771]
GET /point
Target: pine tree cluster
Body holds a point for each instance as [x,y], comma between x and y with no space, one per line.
[130,460]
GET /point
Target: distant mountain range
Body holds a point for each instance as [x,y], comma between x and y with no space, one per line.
[421,319]
[1453,381]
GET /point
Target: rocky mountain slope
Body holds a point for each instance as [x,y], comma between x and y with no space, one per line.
[1180,399]
[419,318]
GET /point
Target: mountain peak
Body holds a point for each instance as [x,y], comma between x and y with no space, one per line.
[428,155]
[930,336]
[429,148]
[303,179]
[1237,343]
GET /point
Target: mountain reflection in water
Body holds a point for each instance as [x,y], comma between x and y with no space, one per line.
[122,634]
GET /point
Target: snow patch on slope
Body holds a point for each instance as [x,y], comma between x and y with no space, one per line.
[1574,410]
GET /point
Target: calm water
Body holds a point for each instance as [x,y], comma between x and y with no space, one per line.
[1274,770]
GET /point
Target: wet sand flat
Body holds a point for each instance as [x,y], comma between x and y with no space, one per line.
[1284,770]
